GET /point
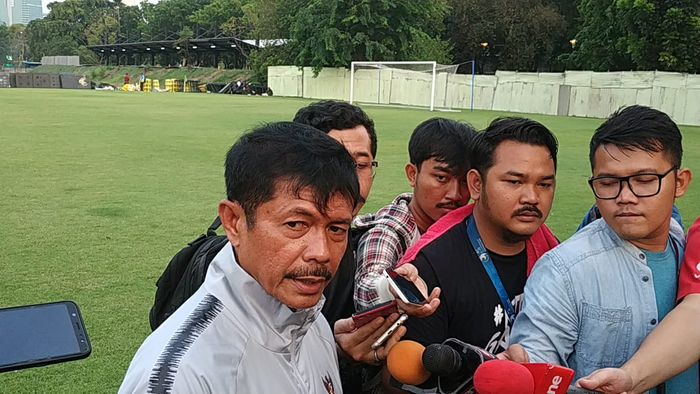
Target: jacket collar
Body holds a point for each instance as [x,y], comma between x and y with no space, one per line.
[278,328]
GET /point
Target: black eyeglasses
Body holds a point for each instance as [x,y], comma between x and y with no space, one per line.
[641,185]
[365,168]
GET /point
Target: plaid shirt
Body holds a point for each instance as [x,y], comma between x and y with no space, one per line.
[389,233]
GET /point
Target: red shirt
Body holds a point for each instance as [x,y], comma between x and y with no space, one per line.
[689,277]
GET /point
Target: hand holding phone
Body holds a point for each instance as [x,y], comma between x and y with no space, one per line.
[404,288]
[389,332]
[381,310]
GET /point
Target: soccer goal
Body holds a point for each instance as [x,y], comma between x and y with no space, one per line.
[411,84]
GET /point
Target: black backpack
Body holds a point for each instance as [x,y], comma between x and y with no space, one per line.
[185,274]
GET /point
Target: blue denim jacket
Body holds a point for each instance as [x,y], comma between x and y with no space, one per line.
[590,302]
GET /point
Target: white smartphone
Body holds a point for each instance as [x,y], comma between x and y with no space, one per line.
[404,288]
[389,332]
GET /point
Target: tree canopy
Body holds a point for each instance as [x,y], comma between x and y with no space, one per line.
[525,35]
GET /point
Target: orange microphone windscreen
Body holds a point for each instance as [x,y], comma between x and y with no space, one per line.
[405,363]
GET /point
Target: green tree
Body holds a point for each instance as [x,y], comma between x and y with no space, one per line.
[662,34]
[333,32]
[4,42]
[223,15]
[270,19]
[524,35]
[639,35]
[167,18]
[130,22]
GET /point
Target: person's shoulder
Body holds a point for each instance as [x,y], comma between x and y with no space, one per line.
[694,235]
[454,239]
[446,250]
[589,240]
[393,223]
[392,216]
[586,245]
[190,360]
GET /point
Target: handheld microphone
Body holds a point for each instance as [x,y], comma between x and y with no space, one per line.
[454,362]
[405,364]
[503,377]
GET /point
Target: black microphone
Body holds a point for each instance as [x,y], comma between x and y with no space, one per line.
[454,362]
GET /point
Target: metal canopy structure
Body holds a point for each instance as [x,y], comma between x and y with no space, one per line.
[202,51]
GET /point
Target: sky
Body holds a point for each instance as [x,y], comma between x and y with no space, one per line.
[44,3]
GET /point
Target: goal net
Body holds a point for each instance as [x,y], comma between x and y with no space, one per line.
[413,84]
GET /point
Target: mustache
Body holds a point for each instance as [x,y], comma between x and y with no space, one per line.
[528,209]
[448,205]
[319,271]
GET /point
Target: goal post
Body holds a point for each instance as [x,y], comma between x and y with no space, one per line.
[423,84]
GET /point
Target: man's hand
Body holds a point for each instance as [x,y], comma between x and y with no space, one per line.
[410,272]
[515,353]
[608,381]
[356,343]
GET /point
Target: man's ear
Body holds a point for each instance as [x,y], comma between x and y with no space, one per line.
[411,172]
[233,220]
[683,178]
[474,184]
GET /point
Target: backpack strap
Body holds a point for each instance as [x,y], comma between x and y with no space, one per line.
[211,231]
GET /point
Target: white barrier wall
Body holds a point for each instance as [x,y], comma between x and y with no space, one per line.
[573,93]
[60,61]
[285,81]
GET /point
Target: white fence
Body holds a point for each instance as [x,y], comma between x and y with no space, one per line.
[573,93]
[60,61]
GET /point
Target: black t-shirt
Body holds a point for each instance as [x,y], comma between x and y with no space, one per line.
[339,303]
[470,309]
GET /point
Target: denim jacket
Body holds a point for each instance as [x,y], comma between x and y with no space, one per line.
[590,302]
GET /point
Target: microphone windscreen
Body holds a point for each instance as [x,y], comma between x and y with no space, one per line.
[550,378]
[442,360]
[405,364]
[503,377]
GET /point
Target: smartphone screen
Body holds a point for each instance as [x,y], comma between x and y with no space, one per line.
[407,288]
[41,334]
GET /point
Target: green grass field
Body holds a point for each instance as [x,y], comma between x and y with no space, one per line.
[100,189]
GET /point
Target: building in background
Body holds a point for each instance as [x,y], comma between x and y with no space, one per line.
[25,11]
[5,12]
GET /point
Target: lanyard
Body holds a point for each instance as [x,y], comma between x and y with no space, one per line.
[485,259]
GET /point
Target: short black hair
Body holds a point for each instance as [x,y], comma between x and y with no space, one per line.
[288,152]
[444,140]
[523,130]
[642,128]
[327,115]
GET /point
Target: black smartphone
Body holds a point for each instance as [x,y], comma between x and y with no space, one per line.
[35,335]
[405,289]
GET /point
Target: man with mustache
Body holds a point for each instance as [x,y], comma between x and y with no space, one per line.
[438,151]
[591,302]
[512,181]
[255,324]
